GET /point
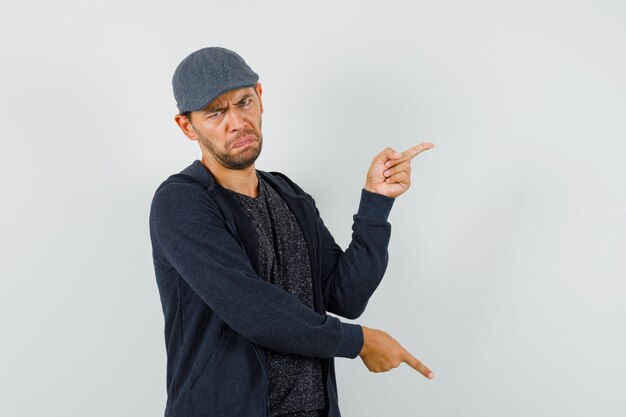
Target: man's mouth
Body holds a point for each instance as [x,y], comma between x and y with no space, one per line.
[244,141]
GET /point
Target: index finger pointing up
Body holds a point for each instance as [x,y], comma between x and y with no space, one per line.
[417,149]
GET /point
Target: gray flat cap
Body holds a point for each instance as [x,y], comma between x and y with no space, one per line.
[207,73]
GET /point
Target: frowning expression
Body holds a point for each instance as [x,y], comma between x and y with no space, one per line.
[229,128]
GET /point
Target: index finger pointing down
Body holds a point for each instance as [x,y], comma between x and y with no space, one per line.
[418,366]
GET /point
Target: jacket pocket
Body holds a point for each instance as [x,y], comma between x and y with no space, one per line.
[217,351]
[233,383]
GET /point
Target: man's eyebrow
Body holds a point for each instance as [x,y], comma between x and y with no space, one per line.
[245,96]
[213,108]
[221,106]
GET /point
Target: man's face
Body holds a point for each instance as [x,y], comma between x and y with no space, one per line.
[229,128]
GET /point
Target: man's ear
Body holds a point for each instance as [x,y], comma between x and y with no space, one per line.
[259,92]
[185,125]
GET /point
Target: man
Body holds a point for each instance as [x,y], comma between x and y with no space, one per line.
[247,270]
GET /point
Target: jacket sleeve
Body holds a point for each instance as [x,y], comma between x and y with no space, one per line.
[350,278]
[190,234]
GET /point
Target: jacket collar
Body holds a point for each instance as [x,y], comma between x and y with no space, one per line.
[204,177]
[200,174]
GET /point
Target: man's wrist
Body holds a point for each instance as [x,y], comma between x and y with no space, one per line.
[365,339]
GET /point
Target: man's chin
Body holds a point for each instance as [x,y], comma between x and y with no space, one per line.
[242,163]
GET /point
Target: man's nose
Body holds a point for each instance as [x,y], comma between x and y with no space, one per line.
[236,121]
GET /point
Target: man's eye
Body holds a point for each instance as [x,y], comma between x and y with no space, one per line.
[244,102]
[214,114]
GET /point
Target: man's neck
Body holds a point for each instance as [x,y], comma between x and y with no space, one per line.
[243,181]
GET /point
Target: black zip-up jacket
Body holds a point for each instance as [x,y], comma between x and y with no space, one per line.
[218,310]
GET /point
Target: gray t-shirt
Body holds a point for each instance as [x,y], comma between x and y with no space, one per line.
[295,381]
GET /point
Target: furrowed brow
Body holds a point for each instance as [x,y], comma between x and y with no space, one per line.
[245,96]
[213,108]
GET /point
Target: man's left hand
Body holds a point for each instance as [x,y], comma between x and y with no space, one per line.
[390,172]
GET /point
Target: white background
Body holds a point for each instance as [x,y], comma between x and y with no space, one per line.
[507,268]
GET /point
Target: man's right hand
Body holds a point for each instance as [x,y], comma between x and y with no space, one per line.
[381,352]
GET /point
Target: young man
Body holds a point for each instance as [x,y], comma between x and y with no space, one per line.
[247,270]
